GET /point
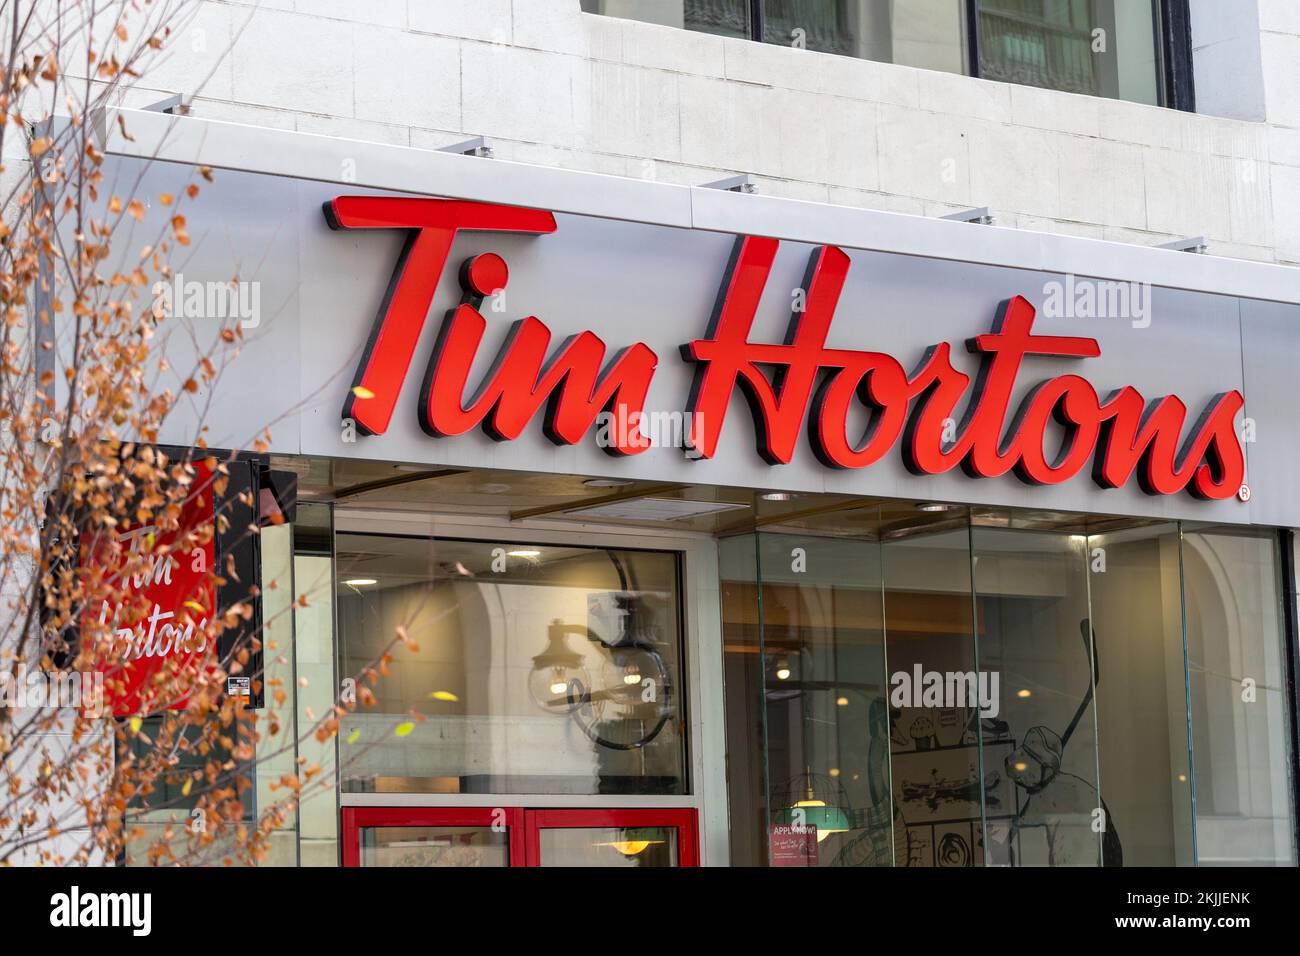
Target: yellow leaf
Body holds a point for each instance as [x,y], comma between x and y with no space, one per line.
[444,695]
[362,392]
[354,736]
[189,785]
[404,729]
[194,606]
[136,724]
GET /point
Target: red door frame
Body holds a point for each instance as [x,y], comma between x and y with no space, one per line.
[522,825]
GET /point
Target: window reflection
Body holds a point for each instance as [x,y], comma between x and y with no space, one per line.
[1106,48]
[940,790]
[1099,47]
[1142,692]
[1032,593]
[539,669]
[922,33]
[1237,684]
[1129,705]
[434,846]
[608,846]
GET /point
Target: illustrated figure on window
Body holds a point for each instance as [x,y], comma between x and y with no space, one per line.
[1067,808]
[1061,804]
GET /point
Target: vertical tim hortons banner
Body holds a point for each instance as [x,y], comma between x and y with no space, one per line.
[167,592]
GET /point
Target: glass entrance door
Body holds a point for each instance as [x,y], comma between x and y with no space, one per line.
[513,836]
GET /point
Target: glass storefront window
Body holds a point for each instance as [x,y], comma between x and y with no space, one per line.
[1091,697]
[609,846]
[540,668]
[1145,765]
[1237,682]
[1040,744]
[940,790]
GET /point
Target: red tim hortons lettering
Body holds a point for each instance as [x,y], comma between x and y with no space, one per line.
[433,225]
[571,383]
[1121,435]
[939,416]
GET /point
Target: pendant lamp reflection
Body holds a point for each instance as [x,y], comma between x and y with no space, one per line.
[632,701]
[814,800]
[635,841]
[558,682]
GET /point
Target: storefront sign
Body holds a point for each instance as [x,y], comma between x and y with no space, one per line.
[939,417]
[792,845]
[162,609]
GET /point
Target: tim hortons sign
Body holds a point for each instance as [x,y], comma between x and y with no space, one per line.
[939,417]
[160,611]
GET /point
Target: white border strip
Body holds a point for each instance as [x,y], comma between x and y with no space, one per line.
[275,152]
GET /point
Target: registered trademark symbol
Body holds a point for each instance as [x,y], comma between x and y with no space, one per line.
[1244,492]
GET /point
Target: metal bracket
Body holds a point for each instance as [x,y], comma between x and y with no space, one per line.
[735,184]
[1195,244]
[478,146]
[979,215]
[178,105]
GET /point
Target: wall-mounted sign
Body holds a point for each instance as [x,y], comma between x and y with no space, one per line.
[792,845]
[164,599]
[937,416]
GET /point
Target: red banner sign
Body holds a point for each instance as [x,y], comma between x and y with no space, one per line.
[939,417]
[160,611]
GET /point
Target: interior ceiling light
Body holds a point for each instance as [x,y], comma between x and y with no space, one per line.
[778,496]
[935,506]
[360,582]
[821,802]
[524,553]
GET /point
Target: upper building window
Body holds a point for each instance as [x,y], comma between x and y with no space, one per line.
[1125,49]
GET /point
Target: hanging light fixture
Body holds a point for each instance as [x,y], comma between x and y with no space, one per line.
[814,800]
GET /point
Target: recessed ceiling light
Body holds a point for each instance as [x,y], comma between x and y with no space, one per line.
[935,506]
[607,482]
[360,582]
[778,496]
[524,553]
